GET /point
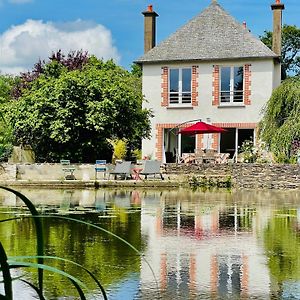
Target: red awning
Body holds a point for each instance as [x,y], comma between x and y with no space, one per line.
[201,127]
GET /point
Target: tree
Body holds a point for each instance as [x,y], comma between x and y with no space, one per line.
[136,70]
[290,57]
[70,112]
[6,84]
[280,126]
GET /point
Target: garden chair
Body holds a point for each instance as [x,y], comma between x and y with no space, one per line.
[199,154]
[67,169]
[222,158]
[209,156]
[100,167]
[152,167]
[122,169]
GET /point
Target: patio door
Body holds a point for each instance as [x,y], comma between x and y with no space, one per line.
[188,143]
[228,141]
[233,138]
[170,145]
[175,144]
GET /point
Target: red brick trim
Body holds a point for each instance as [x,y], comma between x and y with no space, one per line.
[216,85]
[215,141]
[237,125]
[199,141]
[245,277]
[195,85]
[247,84]
[164,86]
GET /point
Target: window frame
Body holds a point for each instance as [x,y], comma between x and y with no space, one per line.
[181,101]
[232,91]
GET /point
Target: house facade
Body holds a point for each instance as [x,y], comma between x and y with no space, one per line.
[212,69]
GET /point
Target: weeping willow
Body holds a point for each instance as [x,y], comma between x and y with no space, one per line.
[280,126]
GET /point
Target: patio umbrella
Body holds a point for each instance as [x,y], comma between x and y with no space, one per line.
[201,127]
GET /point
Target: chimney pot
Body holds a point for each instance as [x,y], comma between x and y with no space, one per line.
[277,1]
[150,8]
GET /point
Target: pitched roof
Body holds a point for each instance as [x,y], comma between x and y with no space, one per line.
[211,35]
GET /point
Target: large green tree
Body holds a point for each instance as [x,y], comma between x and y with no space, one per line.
[6,85]
[64,111]
[280,126]
[290,56]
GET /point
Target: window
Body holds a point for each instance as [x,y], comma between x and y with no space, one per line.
[232,82]
[180,86]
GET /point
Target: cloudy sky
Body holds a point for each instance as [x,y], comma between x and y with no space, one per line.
[32,29]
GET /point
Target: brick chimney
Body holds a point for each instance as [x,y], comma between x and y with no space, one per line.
[277,8]
[149,28]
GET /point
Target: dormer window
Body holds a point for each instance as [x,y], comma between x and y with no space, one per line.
[180,86]
[231,85]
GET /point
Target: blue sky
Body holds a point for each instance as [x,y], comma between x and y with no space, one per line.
[31,29]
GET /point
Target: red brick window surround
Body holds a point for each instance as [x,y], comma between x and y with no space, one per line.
[195,85]
[164,86]
[231,85]
[247,84]
[184,92]
[159,133]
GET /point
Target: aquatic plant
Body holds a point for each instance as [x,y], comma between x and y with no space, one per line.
[205,182]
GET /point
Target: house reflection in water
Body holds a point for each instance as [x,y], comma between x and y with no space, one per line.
[199,251]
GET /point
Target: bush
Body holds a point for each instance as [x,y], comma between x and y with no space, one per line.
[119,148]
[248,151]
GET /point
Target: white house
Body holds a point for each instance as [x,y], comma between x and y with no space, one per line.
[212,69]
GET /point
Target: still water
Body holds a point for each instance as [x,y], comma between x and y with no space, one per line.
[200,245]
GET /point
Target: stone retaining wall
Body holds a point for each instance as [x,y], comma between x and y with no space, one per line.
[242,175]
[278,176]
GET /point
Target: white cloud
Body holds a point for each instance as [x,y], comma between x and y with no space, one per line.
[21,46]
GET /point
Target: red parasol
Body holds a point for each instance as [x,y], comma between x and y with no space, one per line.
[201,127]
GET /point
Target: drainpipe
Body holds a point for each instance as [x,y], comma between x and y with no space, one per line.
[149,28]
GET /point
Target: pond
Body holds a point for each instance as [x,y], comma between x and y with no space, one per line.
[199,245]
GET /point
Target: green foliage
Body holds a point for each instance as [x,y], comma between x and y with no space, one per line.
[6,85]
[5,139]
[119,148]
[282,246]
[137,153]
[18,261]
[280,125]
[136,70]
[71,113]
[205,182]
[290,49]
[248,151]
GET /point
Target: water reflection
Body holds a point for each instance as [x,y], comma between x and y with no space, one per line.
[213,245]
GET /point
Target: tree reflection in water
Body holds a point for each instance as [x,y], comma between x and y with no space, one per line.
[201,245]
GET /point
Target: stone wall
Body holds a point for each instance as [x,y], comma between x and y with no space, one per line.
[45,171]
[266,176]
[242,175]
[276,176]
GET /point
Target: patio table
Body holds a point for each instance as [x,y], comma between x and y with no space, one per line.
[136,171]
